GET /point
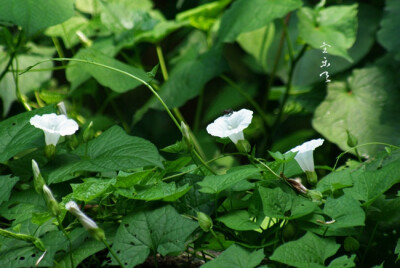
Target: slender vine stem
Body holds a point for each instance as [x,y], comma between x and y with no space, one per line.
[12,56]
[162,62]
[113,253]
[69,239]
[119,71]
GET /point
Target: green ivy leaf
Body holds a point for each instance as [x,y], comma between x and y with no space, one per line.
[91,188]
[390,26]
[336,26]
[236,256]
[161,230]
[359,105]
[346,212]
[214,184]
[35,15]
[284,205]
[248,15]
[308,251]
[113,150]
[18,135]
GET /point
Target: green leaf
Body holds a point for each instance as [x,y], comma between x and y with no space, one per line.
[236,256]
[18,135]
[397,250]
[6,185]
[161,230]
[335,181]
[29,81]
[113,150]
[129,180]
[343,262]
[238,220]
[366,105]
[308,251]
[35,15]
[116,81]
[284,205]
[188,78]
[390,26]
[91,188]
[336,26]
[248,15]
[214,184]
[368,185]
[346,212]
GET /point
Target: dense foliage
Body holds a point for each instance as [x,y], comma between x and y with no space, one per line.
[110,155]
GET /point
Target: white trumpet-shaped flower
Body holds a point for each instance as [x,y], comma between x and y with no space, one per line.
[231,125]
[304,156]
[86,222]
[54,126]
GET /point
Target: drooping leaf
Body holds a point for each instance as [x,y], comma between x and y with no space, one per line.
[366,105]
[18,135]
[161,230]
[390,26]
[248,15]
[113,150]
[236,256]
[308,251]
[35,15]
[6,185]
[336,26]
[213,184]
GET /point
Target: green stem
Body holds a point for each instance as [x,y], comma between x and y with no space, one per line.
[267,167]
[155,259]
[162,62]
[58,48]
[119,71]
[369,244]
[20,97]
[69,240]
[112,253]
[288,87]
[199,108]
[203,162]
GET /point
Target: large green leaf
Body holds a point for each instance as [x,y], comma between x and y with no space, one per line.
[346,212]
[214,184]
[248,15]
[284,205]
[308,251]
[366,105]
[236,256]
[336,26]
[188,78]
[111,151]
[161,230]
[35,15]
[390,27]
[18,135]
[335,181]
[115,80]
[91,188]
[6,185]
[238,220]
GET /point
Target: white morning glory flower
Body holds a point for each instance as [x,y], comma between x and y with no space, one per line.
[86,222]
[304,155]
[231,125]
[54,126]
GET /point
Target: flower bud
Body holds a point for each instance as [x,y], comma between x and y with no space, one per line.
[205,221]
[38,180]
[186,138]
[49,151]
[315,195]
[351,139]
[61,108]
[86,222]
[52,203]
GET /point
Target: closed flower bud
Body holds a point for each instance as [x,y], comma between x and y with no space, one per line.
[351,139]
[38,181]
[187,139]
[88,133]
[52,203]
[205,221]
